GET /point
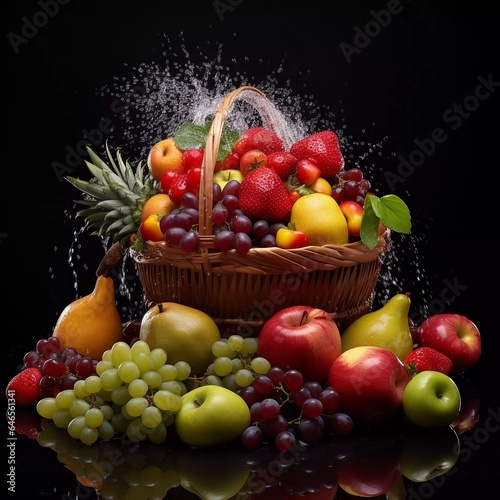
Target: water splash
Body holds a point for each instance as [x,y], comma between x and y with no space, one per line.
[155,98]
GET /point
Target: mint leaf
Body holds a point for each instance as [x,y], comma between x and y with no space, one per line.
[369,223]
[192,136]
[392,211]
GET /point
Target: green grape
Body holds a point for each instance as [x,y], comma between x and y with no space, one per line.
[102,366]
[94,417]
[151,417]
[235,342]
[135,431]
[210,369]
[152,378]
[158,436]
[140,347]
[80,390]
[168,418]
[120,352]
[93,384]
[104,395]
[250,345]
[125,414]
[183,370]
[151,475]
[136,406]
[137,388]
[62,417]
[221,348]
[159,357]
[46,407]
[65,398]
[106,356]
[143,361]
[229,382]
[119,423]
[128,371]
[167,401]
[78,408]
[89,435]
[167,372]
[222,366]
[107,412]
[120,395]
[75,427]
[106,431]
[110,379]
[213,380]
[260,365]
[243,377]
[237,364]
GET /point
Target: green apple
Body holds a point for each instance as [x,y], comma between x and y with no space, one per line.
[211,416]
[431,399]
[212,474]
[222,177]
[430,454]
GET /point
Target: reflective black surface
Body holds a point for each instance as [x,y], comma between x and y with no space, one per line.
[419,80]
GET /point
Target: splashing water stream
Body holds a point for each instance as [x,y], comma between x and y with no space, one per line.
[154,99]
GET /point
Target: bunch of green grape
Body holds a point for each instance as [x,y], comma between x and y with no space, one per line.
[236,363]
[134,391]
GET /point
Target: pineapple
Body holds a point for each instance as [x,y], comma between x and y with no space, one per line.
[115,196]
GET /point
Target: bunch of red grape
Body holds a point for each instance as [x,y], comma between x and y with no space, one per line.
[60,369]
[351,185]
[232,228]
[286,410]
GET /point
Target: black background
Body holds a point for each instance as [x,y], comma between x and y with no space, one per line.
[396,90]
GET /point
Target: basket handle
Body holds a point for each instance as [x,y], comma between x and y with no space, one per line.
[211,152]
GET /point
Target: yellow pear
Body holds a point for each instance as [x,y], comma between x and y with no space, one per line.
[185,333]
[319,216]
[91,324]
[386,327]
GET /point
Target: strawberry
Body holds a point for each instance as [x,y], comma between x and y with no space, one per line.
[27,423]
[263,195]
[426,358]
[260,138]
[192,158]
[24,387]
[282,162]
[323,149]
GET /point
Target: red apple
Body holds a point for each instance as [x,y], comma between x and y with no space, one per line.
[369,466]
[303,338]
[454,335]
[353,212]
[370,381]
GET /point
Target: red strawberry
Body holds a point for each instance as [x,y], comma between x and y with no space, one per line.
[260,138]
[426,358]
[24,387]
[27,423]
[323,148]
[282,162]
[263,195]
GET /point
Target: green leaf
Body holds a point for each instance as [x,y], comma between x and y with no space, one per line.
[369,223]
[192,136]
[392,211]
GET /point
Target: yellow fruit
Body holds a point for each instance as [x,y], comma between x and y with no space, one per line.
[185,333]
[158,204]
[163,156]
[319,216]
[91,324]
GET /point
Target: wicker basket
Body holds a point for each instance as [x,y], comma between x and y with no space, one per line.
[242,291]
